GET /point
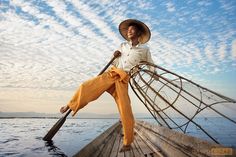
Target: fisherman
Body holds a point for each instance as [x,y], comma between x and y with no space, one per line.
[115,80]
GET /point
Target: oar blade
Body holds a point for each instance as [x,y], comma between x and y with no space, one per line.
[54,129]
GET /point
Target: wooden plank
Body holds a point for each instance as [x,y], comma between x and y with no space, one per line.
[136,150]
[102,149]
[115,148]
[150,141]
[143,146]
[138,147]
[99,150]
[109,145]
[97,144]
[155,149]
[173,142]
[129,153]
[121,154]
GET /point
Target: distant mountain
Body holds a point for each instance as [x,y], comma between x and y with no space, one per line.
[26,114]
[57,115]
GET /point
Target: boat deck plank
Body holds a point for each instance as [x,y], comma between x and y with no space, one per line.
[144,148]
[149,141]
[136,148]
[120,154]
[110,145]
[118,140]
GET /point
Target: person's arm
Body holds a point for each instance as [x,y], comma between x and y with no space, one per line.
[150,60]
[151,68]
[117,53]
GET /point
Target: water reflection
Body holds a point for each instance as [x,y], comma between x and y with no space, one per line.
[54,150]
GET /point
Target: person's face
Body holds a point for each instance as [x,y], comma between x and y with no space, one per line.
[132,32]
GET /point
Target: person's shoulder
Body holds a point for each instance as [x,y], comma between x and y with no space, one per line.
[144,46]
[124,44]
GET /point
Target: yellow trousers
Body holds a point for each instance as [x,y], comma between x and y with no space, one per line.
[114,81]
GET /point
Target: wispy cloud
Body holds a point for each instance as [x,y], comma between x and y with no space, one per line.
[170,7]
[234,48]
[222,51]
[59,44]
[143,4]
[209,52]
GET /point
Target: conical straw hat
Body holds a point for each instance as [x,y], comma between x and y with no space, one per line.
[145,32]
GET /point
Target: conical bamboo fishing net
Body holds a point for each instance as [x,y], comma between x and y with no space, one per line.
[179,103]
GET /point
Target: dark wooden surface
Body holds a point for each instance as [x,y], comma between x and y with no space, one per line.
[150,141]
[110,142]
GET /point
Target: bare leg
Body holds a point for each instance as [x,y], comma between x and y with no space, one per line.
[64,109]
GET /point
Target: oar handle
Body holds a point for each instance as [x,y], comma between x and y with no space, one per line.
[103,70]
[67,113]
[108,64]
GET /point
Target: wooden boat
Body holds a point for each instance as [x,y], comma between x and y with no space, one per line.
[152,141]
[167,95]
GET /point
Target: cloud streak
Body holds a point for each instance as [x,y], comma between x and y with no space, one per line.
[58,44]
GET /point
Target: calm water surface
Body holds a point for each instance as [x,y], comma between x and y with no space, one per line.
[23,137]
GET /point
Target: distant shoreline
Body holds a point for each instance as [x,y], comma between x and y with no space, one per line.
[34,115]
[67,118]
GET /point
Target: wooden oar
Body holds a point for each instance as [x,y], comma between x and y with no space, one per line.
[61,121]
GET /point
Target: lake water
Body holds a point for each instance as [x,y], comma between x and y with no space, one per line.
[23,136]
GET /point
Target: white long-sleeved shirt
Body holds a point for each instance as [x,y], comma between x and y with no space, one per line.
[132,55]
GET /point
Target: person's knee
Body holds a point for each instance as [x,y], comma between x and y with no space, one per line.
[82,86]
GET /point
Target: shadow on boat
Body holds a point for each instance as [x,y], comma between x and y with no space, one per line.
[54,150]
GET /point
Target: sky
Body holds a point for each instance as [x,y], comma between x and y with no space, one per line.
[48,48]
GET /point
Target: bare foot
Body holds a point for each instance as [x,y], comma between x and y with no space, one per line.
[125,148]
[64,109]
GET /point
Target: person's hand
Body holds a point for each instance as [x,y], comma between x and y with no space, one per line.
[117,54]
[64,109]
